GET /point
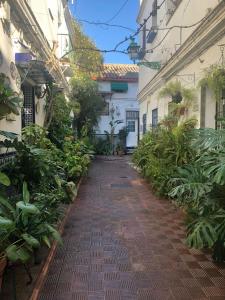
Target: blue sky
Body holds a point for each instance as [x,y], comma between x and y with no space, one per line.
[102,11]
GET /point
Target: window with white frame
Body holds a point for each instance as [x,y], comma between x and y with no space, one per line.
[130,125]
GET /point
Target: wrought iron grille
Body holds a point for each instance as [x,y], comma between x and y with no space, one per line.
[28,116]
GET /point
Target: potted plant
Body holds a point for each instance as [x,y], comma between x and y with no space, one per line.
[119,150]
[177,92]
[181,97]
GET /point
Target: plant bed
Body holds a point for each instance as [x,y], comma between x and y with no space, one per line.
[17,272]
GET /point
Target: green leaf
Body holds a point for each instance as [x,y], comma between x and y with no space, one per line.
[4,179]
[26,194]
[23,254]
[6,223]
[33,242]
[11,253]
[27,208]
[46,241]
[55,234]
[4,202]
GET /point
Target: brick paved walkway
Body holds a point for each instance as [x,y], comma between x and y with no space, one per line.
[121,242]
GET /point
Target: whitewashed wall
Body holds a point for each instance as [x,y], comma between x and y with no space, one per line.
[187,13]
[6,48]
[121,102]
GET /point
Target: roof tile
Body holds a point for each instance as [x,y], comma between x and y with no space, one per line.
[119,72]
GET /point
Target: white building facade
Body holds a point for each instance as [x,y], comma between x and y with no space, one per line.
[186,37]
[34,35]
[118,84]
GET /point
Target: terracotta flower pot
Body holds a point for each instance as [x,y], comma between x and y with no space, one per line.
[3,263]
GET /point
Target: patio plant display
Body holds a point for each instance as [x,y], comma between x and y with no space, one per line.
[77,159]
[29,220]
[162,150]
[23,227]
[181,97]
[187,165]
[200,187]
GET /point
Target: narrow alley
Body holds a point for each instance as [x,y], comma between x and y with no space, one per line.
[122,242]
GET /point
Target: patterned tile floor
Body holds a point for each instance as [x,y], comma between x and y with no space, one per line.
[121,242]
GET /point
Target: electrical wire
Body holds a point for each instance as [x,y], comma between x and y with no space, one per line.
[179,26]
[172,27]
[96,50]
[118,12]
[105,24]
[139,29]
[127,38]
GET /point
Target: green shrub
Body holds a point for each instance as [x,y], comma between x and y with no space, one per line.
[188,165]
[161,151]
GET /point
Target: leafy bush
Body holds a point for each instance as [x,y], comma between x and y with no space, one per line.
[77,159]
[161,151]
[28,220]
[23,227]
[188,166]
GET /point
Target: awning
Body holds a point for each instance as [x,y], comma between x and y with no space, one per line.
[119,87]
[34,70]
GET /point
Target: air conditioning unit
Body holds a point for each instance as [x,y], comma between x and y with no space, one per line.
[5,11]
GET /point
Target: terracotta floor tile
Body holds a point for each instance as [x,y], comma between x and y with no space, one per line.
[123,243]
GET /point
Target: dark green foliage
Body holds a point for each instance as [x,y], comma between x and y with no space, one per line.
[28,221]
[85,92]
[61,124]
[161,151]
[102,146]
[189,166]
[23,227]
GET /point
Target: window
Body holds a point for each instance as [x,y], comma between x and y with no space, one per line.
[220,112]
[152,33]
[132,115]
[131,125]
[105,111]
[119,87]
[154,14]
[28,114]
[154,118]
[144,120]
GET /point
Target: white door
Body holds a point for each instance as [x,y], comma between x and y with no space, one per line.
[132,137]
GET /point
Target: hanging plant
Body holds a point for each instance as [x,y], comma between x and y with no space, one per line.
[214,79]
[177,93]
[9,100]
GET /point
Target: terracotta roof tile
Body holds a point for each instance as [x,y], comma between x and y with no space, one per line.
[119,72]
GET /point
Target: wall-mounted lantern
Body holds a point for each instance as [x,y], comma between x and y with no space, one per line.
[136,53]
